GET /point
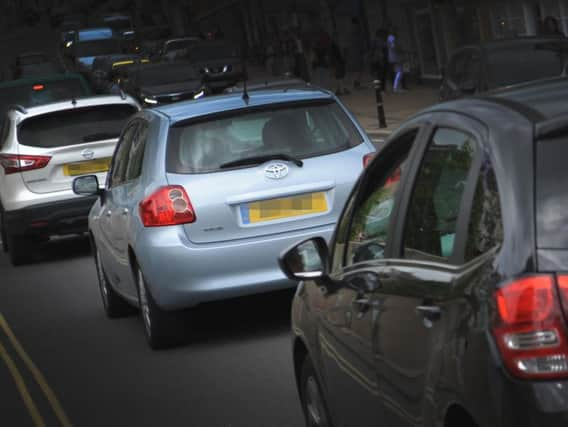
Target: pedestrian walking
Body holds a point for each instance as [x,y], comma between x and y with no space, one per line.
[355,53]
[300,63]
[338,67]
[379,57]
[321,50]
[395,62]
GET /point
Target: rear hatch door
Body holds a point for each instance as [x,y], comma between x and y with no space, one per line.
[78,141]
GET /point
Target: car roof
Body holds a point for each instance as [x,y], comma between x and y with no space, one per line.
[216,104]
[43,79]
[71,104]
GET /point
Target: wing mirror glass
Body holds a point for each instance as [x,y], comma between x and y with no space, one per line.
[308,260]
[87,185]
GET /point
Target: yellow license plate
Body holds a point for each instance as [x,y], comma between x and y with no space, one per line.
[83,168]
[270,210]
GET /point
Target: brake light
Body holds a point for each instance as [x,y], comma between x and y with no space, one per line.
[367,159]
[38,87]
[167,206]
[13,163]
[530,329]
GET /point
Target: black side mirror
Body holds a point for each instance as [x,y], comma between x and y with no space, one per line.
[308,260]
[87,185]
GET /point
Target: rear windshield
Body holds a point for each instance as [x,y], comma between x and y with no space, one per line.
[90,48]
[523,64]
[300,131]
[72,127]
[163,74]
[552,193]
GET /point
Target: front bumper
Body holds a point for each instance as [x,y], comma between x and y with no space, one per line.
[48,219]
[181,274]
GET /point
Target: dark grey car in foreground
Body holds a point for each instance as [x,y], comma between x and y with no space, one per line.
[443,297]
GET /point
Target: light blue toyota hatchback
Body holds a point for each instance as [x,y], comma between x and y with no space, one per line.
[203,196]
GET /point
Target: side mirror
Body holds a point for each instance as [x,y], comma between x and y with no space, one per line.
[87,185]
[307,260]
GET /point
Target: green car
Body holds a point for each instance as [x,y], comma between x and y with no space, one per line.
[42,90]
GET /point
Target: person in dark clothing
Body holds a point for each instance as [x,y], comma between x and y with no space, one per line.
[337,63]
[379,57]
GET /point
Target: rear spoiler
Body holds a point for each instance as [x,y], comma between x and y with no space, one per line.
[552,127]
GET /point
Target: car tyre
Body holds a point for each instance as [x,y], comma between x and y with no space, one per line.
[311,395]
[163,329]
[114,305]
[19,249]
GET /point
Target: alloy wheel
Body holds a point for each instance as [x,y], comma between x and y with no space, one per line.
[144,305]
[103,285]
[314,404]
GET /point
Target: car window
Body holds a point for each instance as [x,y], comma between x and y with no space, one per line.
[82,125]
[120,158]
[485,229]
[435,203]
[370,225]
[301,131]
[136,154]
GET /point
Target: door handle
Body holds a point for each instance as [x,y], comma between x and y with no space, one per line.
[430,312]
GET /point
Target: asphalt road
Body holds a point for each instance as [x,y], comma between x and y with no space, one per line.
[234,370]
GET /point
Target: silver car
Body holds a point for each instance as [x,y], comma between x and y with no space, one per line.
[42,149]
[203,196]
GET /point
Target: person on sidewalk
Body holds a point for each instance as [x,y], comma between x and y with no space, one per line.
[320,58]
[338,67]
[355,55]
[300,63]
[378,57]
[395,62]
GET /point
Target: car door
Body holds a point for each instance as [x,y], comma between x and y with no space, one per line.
[347,335]
[424,270]
[108,218]
[126,198]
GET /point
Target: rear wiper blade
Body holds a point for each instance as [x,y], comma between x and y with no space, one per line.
[100,136]
[261,159]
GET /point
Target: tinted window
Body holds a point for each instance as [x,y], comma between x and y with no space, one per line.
[436,198]
[120,158]
[136,155]
[552,194]
[370,224]
[300,131]
[485,229]
[522,64]
[164,74]
[72,127]
[90,48]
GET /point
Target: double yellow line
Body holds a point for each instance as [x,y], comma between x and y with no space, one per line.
[38,377]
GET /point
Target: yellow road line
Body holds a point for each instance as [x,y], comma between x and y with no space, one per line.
[38,376]
[21,385]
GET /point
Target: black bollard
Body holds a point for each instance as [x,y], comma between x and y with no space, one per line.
[380,105]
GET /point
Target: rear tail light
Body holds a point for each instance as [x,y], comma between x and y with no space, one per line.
[167,206]
[367,159]
[530,328]
[13,163]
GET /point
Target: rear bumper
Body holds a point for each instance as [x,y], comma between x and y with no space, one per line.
[53,218]
[181,274]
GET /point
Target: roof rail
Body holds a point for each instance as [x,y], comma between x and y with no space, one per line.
[552,127]
[19,108]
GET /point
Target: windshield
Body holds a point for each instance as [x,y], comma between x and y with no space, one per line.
[523,64]
[179,45]
[161,75]
[213,51]
[299,131]
[81,126]
[97,48]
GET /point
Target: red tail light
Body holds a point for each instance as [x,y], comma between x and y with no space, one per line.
[367,159]
[13,163]
[167,206]
[530,329]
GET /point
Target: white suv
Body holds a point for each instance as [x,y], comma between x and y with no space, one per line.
[42,149]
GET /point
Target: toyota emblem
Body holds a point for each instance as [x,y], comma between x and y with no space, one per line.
[276,171]
[88,154]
